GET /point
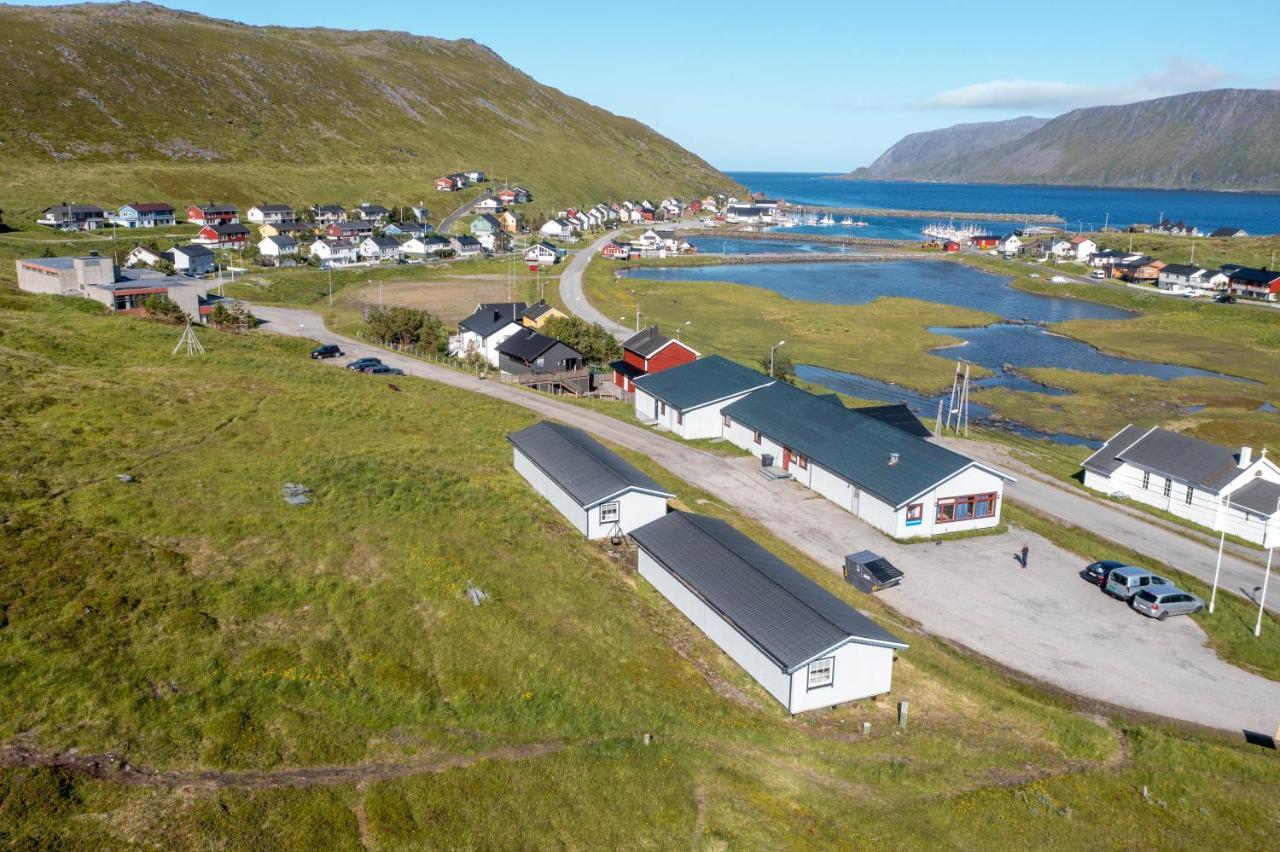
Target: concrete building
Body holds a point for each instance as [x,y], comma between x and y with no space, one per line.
[97,278]
[805,646]
[592,486]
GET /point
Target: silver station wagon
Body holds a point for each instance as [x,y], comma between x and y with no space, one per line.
[1160,602]
[1124,583]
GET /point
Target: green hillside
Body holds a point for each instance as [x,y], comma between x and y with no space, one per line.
[1221,139]
[113,103]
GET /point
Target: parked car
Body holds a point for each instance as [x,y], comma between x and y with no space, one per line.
[1160,603]
[326,351]
[384,370]
[1125,582]
[1225,299]
[360,364]
[1097,275]
[1099,571]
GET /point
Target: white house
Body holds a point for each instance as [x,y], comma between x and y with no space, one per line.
[278,247]
[542,253]
[1009,244]
[423,246]
[335,252]
[888,476]
[1083,248]
[488,204]
[273,214]
[1202,482]
[805,646]
[488,327]
[687,400]
[557,229]
[141,256]
[144,215]
[379,248]
[592,486]
[1060,247]
[193,260]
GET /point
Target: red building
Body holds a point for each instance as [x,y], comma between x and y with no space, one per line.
[616,250]
[222,236]
[646,352]
[213,214]
[985,241]
[951,246]
[445,184]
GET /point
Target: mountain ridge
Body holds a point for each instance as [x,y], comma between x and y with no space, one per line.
[1222,139]
[168,102]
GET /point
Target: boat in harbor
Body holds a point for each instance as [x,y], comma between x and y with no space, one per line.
[847,220]
[827,219]
[859,224]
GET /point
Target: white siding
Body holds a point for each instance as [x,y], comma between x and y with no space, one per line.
[860,671]
[548,489]
[973,480]
[733,643]
[635,510]
[646,406]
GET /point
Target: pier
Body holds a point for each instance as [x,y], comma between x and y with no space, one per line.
[1029,218]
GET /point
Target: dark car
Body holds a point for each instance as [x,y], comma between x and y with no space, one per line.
[362,364]
[1225,299]
[384,370]
[326,351]
[1098,572]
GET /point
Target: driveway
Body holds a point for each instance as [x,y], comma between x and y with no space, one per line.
[1044,621]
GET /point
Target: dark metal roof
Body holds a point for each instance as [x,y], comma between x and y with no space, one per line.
[899,417]
[151,207]
[790,618]
[588,471]
[274,208]
[283,241]
[228,229]
[1226,232]
[646,341]
[877,566]
[193,250]
[537,309]
[626,369]
[355,225]
[1104,459]
[529,345]
[1182,269]
[1181,457]
[489,317]
[217,208]
[1258,496]
[1254,276]
[384,242]
[852,445]
[701,382]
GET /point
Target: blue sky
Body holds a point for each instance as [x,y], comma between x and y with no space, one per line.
[827,86]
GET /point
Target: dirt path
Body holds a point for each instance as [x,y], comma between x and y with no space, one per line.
[114,767]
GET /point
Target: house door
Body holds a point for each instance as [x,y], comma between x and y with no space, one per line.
[786,459]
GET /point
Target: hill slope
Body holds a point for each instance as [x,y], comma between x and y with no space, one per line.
[919,152]
[1222,139]
[132,101]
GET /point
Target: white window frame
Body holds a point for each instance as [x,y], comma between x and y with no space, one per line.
[821,674]
[610,512]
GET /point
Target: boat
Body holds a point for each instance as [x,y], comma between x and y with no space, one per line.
[847,220]
[859,224]
[827,219]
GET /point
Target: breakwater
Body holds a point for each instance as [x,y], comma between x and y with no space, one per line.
[965,215]
[784,236]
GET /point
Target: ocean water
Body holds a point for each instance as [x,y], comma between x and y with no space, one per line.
[1082,207]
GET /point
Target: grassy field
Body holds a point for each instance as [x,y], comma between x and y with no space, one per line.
[886,339]
[1246,251]
[191,619]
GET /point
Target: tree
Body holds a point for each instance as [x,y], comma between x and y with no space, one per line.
[596,344]
[164,309]
[235,318]
[407,327]
[783,368]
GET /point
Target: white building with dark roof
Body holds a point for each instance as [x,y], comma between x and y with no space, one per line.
[805,646]
[1222,489]
[601,494]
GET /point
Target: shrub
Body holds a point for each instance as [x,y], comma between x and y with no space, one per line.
[407,327]
[164,309]
[596,344]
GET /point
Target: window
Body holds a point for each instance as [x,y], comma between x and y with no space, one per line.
[610,512]
[966,508]
[663,407]
[1168,486]
[726,420]
[821,672]
[679,416]
[1191,493]
[801,461]
[915,514]
[755,436]
[1146,480]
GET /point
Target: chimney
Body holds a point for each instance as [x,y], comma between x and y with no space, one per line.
[893,459]
[1246,456]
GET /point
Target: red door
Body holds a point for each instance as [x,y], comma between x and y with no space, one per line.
[786,459]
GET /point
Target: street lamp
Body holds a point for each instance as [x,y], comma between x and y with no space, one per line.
[772,350]
[1266,578]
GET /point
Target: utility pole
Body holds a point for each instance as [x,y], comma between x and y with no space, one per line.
[772,350]
[1217,570]
[329,266]
[637,314]
[1266,578]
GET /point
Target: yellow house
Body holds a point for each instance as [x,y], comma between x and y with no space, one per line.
[297,230]
[510,222]
[536,316]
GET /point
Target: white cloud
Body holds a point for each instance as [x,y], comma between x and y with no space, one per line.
[1176,77]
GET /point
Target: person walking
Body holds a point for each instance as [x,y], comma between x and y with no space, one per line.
[1025,551]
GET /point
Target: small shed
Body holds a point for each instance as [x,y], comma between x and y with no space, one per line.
[870,572]
[601,494]
[805,646]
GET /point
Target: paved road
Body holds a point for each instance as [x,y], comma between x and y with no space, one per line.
[447,222]
[576,300]
[1045,621]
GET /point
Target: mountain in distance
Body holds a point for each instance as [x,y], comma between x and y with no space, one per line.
[918,152]
[110,103]
[1221,139]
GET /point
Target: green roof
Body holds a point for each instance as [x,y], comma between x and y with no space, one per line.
[851,445]
[701,382]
